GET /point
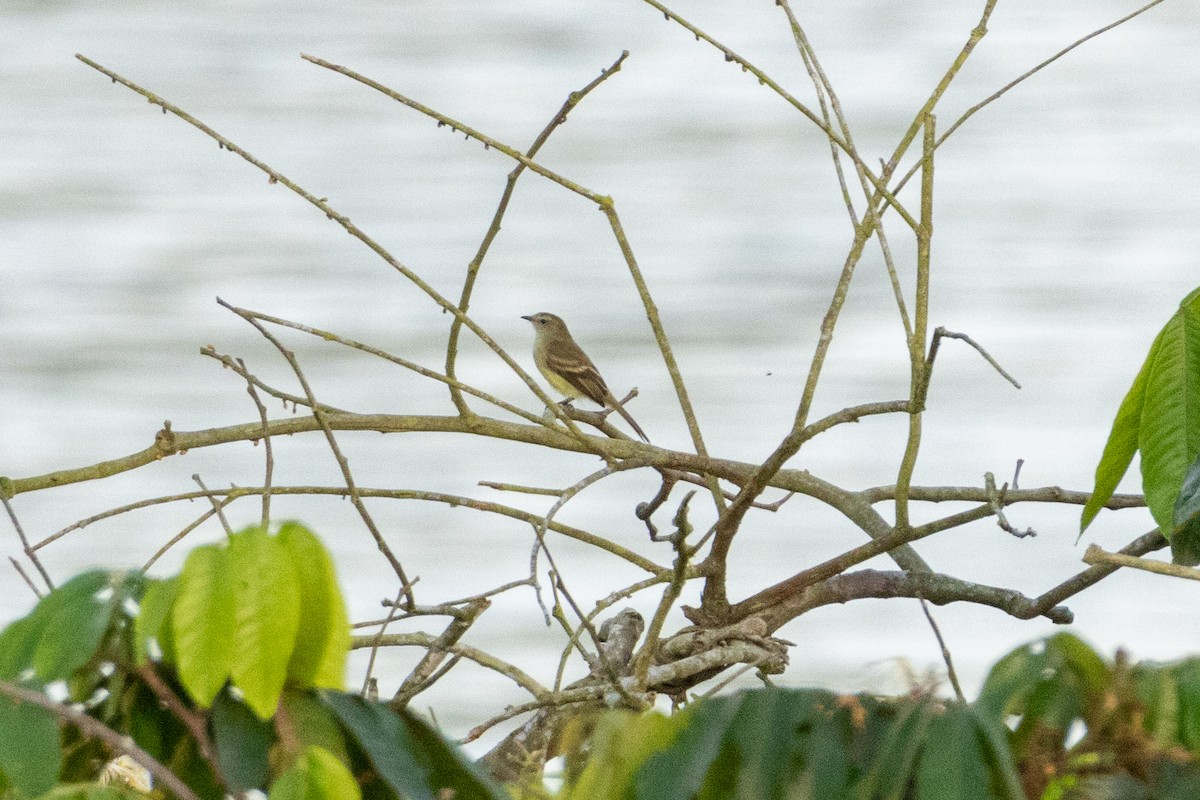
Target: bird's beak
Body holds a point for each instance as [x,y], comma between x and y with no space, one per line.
[530,317]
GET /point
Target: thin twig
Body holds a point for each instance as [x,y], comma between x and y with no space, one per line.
[218,508]
[950,672]
[494,228]
[268,453]
[331,440]
[1096,554]
[25,577]
[94,728]
[30,552]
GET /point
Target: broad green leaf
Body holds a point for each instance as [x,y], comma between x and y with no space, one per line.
[952,763]
[202,624]
[316,775]
[766,734]
[73,631]
[1158,691]
[384,738]
[18,642]
[323,641]
[311,724]
[1187,681]
[682,769]
[451,772]
[1185,519]
[150,627]
[1007,677]
[993,737]
[1166,424]
[1122,441]
[39,643]
[243,742]
[30,748]
[894,762]
[408,755]
[267,616]
[618,746]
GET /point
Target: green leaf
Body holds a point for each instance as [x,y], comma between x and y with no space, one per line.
[893,766]
[316,775]
[1169,438]
[150,629]
[1122,441]
[993,737]
[201,626]
[17,645]
[765,733]
[384,738]
[323,641]
[243,742]
[681,770]
[62,632]
[267,616]
[952,763]
[1185,519]
[451,772]
[407,754]
[30,748]
[314,724]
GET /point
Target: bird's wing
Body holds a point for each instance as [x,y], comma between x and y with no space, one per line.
[578,370]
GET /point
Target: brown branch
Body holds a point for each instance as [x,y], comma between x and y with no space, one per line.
[869,583]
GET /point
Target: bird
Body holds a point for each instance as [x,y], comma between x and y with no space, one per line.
[568,369]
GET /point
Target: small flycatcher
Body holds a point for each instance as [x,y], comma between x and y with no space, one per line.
[567,367]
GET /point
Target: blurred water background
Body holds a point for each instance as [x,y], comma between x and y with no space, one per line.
[1065,236]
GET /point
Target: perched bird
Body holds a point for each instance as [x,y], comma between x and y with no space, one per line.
[567,367]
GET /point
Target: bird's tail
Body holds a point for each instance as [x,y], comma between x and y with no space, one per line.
[620,409]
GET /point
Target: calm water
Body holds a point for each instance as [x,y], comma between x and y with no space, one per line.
[1066,235]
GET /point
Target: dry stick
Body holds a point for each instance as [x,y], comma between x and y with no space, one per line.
[426,672]
[639,663]
[343,464]
[94,728]
[715,596]
[664,344]
[950,672]
[942,333]
[1146,543]
[277,177]
[177,538]
[737,472]
[606,205]
[218,508]
[1096,554]
[25,577]
[229,362]
[392,609]
[918,366]
[30,552]
[825,89]
[269,455]
[878,183]
[456,501]
[455,385]
[970,112]
[480,657]
[494,228]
